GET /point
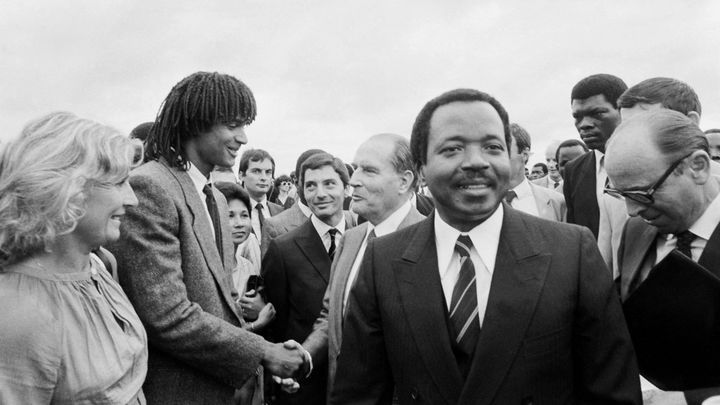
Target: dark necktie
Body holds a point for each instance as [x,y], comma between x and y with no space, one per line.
[331,250]
[214,217]
[371,236]
[556,184]
[684,239]
[464,306]
[510,196]
[261,217]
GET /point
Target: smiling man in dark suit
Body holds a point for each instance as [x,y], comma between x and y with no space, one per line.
[175,254]
[480,303]
[296,266]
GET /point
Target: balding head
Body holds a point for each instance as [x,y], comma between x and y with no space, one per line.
[654,143]
[384,178]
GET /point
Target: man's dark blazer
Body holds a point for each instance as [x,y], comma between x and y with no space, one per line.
[637,252]
[424,204]
[553,331]
[296,269]
[580,192]
[326,337]
[170,269]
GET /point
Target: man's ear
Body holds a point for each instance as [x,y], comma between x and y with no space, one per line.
[406,180]
[694,116]
[699,163]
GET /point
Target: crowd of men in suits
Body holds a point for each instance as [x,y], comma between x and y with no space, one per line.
[495,288]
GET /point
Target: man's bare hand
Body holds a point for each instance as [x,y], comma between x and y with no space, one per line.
[282,361]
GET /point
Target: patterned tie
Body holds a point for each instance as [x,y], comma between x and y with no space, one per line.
[261,217]
[371,236]
[214,217]
[684,240]
[463,305]
[331,250]
[510,196]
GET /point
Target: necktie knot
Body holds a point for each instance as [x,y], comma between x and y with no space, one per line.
[463,245]
[684,240]
[333,232]
[510,196]
[371,235]
[259,207]
[207,190]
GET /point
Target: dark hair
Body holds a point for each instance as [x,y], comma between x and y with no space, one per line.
[569,144]
[608,85]
[350,169]
[141,131]
[543,166]
[671,93]
[522,138]
[234,191]
[320,160]
[298,165]
[421,128]
[282,178]
[254,155]
[194,105]
[401,158]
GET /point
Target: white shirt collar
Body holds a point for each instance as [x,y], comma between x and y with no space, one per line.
[413,199]
[304,208]
[391,223]
[254,202]
[598,158]
[198,179]
[485,238]
[708,221]
[523,189]
[322,228]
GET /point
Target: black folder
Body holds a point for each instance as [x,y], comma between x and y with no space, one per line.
[674,321]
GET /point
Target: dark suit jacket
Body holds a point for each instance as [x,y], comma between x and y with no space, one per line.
[326,337]
[637,252]
[580,192]
[170,268]
[296,269]
[553,331]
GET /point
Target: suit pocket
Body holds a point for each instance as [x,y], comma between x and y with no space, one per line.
[547,344]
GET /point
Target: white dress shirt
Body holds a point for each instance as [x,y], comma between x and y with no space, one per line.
[702,228]
[525,200]
[389,225]
[322,229]
[485,238]
[199,181]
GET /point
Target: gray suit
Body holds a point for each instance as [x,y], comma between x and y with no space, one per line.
[550,204]
[170,268]
[326,337]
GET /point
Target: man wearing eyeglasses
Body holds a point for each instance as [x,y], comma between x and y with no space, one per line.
[658,163]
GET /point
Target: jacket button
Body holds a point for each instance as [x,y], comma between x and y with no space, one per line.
[414,394]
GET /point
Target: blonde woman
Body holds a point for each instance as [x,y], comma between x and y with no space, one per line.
[69,334]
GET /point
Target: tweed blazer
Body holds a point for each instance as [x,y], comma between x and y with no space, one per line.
[170,268]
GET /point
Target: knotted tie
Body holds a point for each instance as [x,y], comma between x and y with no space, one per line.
[463,305]
[214,217]
[261,217]
[331,251]
[510,196]
[684,240]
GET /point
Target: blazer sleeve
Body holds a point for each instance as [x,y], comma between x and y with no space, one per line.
[363,373]
[151,272]
[606,370]
[275,276]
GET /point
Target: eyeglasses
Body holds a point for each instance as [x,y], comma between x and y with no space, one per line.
[644,196]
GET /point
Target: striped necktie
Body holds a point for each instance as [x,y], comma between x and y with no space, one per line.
[464,317]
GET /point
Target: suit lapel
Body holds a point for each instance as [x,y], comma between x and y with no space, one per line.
[710,258]
[639,237]
[519,275]
[203,233]
[312,247]
[422,299]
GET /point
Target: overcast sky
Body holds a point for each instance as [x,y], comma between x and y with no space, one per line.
[329,74]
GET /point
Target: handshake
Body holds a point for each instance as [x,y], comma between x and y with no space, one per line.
[287,362]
